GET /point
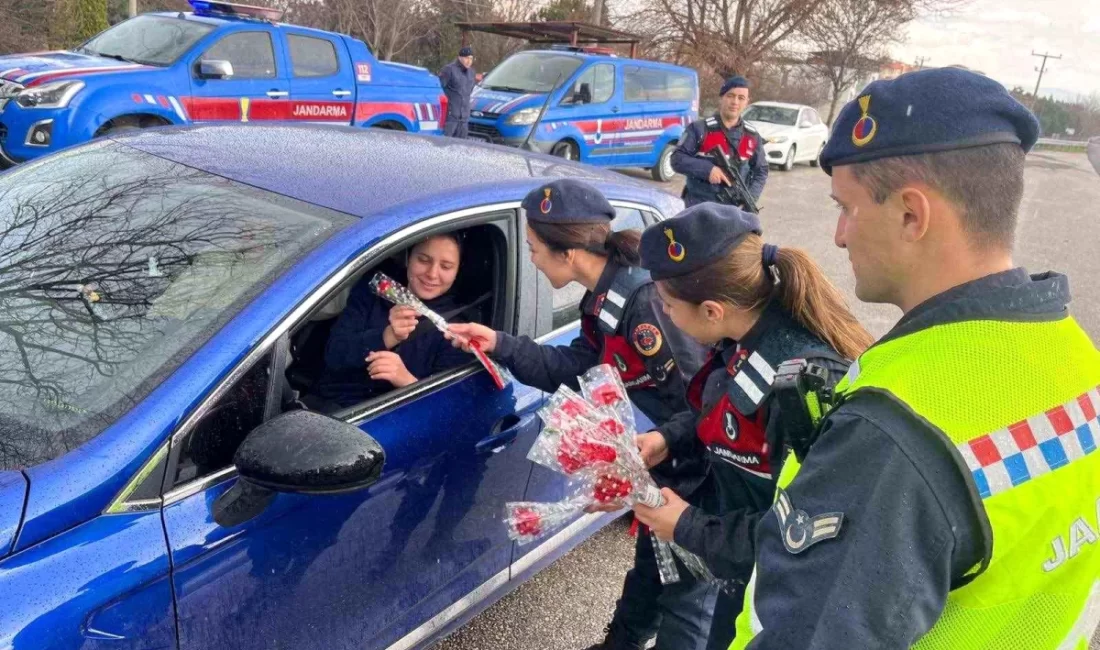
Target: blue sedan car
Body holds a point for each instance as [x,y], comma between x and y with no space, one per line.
[165,299]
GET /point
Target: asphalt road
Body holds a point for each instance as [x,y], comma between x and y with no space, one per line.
[566,606]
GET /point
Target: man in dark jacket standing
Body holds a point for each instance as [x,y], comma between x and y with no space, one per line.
[724,130]
[457,79]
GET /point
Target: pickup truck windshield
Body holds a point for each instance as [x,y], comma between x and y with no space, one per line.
[531,72]
[115,266]
[151,40]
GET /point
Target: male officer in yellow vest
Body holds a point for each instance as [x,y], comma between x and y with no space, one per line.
[950,500]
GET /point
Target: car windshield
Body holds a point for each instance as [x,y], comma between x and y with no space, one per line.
[115,266]
[773,114]
[532,72]
[151,40]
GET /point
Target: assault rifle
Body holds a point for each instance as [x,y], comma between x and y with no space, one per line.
[737,194]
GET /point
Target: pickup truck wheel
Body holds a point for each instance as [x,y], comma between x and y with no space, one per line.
[388,126]
[663,171]
[128,123]
[565,149]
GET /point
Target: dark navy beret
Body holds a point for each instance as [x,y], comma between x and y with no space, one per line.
[698,236]
[466,51]
[927,111]
[736,81]
[567,201]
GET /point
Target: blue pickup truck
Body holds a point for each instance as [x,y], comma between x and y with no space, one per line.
[223,62]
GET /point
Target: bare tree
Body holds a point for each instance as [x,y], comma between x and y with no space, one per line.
[723,35]
[850,37]
[391,27]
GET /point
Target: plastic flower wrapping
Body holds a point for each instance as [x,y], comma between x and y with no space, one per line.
[590,438]
[393,291]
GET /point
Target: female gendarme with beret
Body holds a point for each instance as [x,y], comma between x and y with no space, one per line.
[570,240]
[759,306]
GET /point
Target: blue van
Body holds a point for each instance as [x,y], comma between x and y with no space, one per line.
[603,110]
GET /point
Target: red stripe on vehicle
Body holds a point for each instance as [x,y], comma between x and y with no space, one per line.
[366,110]
[79,73]
[212,108]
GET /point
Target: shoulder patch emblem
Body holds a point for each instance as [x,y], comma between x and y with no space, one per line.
[799,530]
[647,338]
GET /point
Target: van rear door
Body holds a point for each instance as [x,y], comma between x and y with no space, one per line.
[661,97]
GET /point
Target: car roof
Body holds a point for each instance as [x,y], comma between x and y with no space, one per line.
[365,172]
[613,59]
[781,105]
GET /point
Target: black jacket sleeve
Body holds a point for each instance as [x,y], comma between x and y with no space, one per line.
[684,158]
[545,366]
[758,172]
[351,340]
[724,542]
[911,527]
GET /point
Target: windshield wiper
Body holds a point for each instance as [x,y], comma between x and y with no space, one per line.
[118,57]
[509,89]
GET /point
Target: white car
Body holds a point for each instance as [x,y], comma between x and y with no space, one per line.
[792,133]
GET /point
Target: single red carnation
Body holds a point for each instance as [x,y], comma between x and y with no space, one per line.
[527,522]
[606,395]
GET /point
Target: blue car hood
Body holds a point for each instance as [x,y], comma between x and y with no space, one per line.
[47,66]
[13,495]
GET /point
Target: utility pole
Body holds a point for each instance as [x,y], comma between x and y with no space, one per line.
[920,62]
[133,8]
[1040,70]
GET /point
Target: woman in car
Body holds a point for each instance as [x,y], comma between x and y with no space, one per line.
[375,346]
[570,239]
[759,306]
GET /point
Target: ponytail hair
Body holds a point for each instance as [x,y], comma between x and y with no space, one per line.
[803,290]
[620,247]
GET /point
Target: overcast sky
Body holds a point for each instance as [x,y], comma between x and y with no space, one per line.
[998,36]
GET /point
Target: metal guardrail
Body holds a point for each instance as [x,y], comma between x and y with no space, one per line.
[1055,142]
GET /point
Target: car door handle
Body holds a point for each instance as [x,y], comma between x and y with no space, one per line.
[341,93]
[504,432]
[615,109]
[277,93]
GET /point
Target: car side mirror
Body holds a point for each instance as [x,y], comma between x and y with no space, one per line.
[299,452]
[309,453]
[215,69]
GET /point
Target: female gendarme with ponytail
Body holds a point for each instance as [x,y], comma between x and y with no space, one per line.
[758,305]
[570,240]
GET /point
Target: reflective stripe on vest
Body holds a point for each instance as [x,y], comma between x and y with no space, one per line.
[1019,401]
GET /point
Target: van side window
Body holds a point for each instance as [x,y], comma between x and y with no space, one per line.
[566,299]
[653,85]
[596,85]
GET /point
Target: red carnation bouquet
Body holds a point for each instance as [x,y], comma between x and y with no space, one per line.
[393,291]
[591,439]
